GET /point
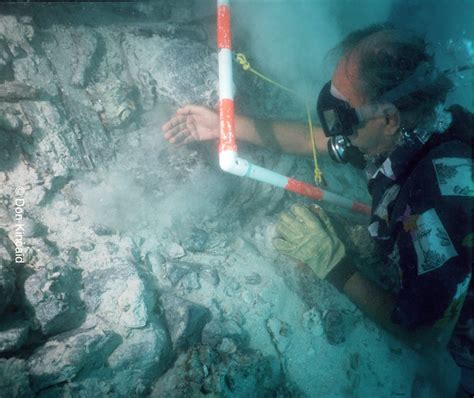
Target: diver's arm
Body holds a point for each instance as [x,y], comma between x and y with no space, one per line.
[379,304]
[289,137]
[198,123]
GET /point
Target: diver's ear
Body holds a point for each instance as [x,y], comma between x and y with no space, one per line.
[392,119]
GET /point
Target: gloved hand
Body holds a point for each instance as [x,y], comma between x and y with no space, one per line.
[309,237]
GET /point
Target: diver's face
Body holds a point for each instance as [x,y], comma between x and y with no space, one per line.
[375,136]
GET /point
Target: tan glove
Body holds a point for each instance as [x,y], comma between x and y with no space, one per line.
[309,237]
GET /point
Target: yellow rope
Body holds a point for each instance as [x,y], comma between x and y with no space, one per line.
[318,175]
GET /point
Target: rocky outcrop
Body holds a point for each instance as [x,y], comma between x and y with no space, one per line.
[52,294]
[63,357]
[7,282]
[13,335]
[185,320]
[206,371]
[14,380]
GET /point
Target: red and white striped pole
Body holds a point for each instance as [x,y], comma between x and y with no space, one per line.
[228,155]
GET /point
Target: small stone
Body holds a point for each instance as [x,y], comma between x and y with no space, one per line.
[253,279]
[175,250]
[248,297]
[196,241]
[73,217]
[102,230]
[154,261]
[215,331]
[232,288]
[175,271]
[134,311]
[334,329]
[37,194]
[185,320]
[210,275]
[64,211]
[227,346]
[112,248]
[190,282]
[10,122]
[72,254]
[87,247]
[313,322]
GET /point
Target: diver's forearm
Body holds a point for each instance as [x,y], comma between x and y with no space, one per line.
[379,304]
[369,297]
[289,137]
[372,300]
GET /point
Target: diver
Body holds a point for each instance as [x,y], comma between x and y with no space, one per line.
[383,111]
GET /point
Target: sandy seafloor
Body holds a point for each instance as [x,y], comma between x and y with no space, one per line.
[105,192]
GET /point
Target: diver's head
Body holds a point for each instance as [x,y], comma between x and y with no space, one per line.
[368,101]
[376,134]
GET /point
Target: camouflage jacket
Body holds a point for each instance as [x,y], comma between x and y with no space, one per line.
[422,215]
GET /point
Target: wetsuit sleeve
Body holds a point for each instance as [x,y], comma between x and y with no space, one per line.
[434,222]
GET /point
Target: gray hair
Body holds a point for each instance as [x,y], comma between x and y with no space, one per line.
[387,57]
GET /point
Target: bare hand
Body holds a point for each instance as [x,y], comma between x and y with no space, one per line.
[191,123]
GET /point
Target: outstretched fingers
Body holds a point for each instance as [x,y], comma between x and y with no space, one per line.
[173,122]
[189,109]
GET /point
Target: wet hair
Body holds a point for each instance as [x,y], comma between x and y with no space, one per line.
[386,57]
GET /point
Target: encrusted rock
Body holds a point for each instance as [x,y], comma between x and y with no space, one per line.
[10,122]
[196,240]
[7,283]
[86,47]
[118,294]
[334,329]
[87,246]
[210,275]
[175,251]
[63,357]
[141,358]
[182,275]
[116,103]
[102,230]
[5,60]
[203,371]
[227,346]
[52,294]
[253,279]
[185,320]
[14,381]
[15,91]
[215,331]
[280,333]
[312,321]
[13,335]
[154,262]
[189,282]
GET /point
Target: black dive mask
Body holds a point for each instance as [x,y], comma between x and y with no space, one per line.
[338,120]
